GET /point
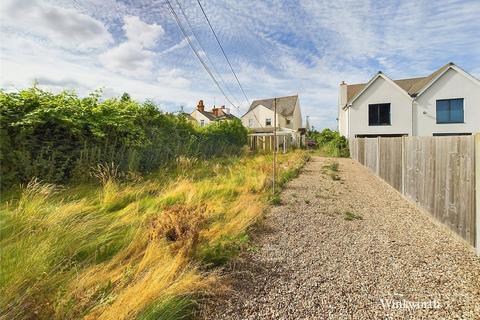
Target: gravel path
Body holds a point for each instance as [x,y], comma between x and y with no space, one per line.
[345,249]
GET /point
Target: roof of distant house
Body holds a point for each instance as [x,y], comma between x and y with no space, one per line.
[212,117]
[413,86]
[285,105]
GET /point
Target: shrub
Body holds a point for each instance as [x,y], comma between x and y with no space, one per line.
[60,137]
[330,143]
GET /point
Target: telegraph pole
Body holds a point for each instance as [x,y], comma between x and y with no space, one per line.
[274,142]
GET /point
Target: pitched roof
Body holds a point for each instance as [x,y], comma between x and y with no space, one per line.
[285,105]
[210,116]
[213,117]
[412,86]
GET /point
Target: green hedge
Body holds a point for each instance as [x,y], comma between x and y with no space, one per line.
[60,137]
[330,143]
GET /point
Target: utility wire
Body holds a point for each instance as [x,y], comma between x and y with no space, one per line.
[223,51]
[205,66]
[202,47]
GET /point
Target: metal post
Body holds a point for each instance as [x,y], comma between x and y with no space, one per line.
[274,142]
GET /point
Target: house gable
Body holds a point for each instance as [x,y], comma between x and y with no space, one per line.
[360,89]
[446,69]
[381,91]
[451,84]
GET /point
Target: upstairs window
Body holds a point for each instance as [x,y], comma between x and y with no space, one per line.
[379,114]
[250,123]
[288,121]
[268,122]
[450,111]
[202,123]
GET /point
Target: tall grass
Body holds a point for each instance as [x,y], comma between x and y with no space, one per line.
[142,249]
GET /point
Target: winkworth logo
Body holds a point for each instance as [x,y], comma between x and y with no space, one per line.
[410,305]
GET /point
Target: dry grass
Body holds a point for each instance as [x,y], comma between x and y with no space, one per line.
[135,249]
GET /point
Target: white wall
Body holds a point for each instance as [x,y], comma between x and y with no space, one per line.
[381,91]
[296,121]
[451,85]
[262,113]
[259,113]
[199,116]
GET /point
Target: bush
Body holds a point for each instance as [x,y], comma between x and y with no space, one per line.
[330,143]
[60,137]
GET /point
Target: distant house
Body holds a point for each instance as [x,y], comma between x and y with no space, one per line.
[260,120]
[260,114]
[205,117]
[446,102]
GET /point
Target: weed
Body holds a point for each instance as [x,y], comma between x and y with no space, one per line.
[276,199]
[350,216]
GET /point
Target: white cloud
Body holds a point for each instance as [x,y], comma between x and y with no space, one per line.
[141,33]
[133,56]
[128,58]
[64,27]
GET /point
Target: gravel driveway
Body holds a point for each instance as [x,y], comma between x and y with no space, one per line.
[347,246]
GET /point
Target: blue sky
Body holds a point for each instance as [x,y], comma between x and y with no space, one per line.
[277,47]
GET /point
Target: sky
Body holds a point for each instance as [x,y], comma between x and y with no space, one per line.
[277,48]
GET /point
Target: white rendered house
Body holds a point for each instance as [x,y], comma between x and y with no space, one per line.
[261,113]
[204,117]
[447,102]
[259,119]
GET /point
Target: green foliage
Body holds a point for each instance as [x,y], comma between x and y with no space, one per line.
[330,143]
[173,308]
[223,250]
[350,216]
[60,137]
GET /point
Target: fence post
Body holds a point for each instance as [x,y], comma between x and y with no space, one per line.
[378,156]
[403,165]
[477,192]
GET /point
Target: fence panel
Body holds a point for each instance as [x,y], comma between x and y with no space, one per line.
[435,172]
[390,161]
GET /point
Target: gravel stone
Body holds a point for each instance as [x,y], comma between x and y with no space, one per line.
[311,263]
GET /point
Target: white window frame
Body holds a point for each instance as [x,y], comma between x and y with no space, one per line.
[268,122]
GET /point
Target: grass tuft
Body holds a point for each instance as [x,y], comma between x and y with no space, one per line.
[350,216]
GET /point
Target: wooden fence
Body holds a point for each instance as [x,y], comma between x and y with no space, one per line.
[437,173]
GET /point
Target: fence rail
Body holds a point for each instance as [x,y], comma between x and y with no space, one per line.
[437,173]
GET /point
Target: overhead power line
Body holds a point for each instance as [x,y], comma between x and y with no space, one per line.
[223,51]
[205,66]
[206,55]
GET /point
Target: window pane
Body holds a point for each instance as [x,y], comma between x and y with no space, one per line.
[372,114]
[456,110]
[442,111]
[384,114]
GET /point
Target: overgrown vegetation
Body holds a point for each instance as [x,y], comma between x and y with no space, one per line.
[59,137]
[332,170]
[350,216]
[139,248]
[330,143]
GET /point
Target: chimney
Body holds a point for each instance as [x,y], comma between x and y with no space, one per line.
[342,99]
[225,110]
[200,106]
[216,111]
